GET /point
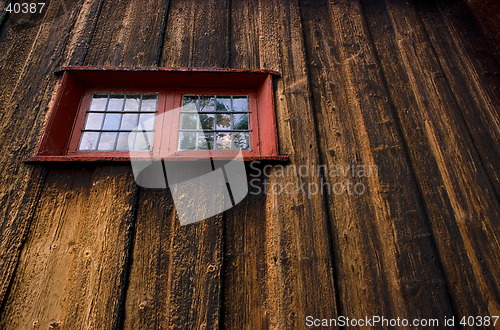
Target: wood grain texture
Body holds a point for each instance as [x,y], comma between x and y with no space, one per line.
[278,266]
[467,188]
[409,87]
[298,254]
[245,291]
[105,311]
[382,233]
[476,90]
[72,266]
[463,289]
[181,264]
[24,106]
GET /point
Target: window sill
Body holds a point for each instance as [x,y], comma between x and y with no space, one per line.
[94,159]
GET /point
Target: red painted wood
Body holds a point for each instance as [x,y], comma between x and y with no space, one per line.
[126,158]
[268,134]
[67,116]
[162,69]
[172,78]
[62,115]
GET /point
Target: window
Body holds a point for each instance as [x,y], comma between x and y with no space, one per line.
[111,118]
[104,113]
[221,122]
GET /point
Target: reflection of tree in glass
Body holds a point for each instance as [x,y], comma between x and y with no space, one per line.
[223,121]
[207,121]
[205,142]
[241,141]
[189,121]
[224,141]
[206,103]
[189,103]
[188,140]
[240,121]
[223,103]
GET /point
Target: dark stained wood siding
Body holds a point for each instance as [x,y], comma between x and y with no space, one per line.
[411,87]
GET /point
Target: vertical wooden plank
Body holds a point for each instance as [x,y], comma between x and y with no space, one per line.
[197,35]
[245,270]
[128,34]
[17,35]
[460,215]
[279,263]
[386,255]
[27,86]
[82,33]
[245,295]
[71,268]
[112,189]
[470,76]
[476,208]
[180,264]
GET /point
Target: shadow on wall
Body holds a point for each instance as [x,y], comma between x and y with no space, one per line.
[487,12]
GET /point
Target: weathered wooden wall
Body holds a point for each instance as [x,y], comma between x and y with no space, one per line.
[411,87]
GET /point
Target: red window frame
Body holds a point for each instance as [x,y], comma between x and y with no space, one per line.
[67,115]
[254,124]
[82,112]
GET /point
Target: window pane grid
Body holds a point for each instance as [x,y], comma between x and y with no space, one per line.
[127,112]
[112,118]
[115,131]
[207,131]
[214,122]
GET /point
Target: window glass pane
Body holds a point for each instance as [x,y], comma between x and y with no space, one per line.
[207,121]
[147,121]
[122,142]
[129,121]
[94,121]
[223,141]
[241,140]
[205,141]
[107,141]
[206,103]
[98,102]
[88,140]
[240,103]
[120,123]
[187,140]
[223,121]
[189,121]
[132,102]
[220,121]
[240,121]
[148,103]
[189,102]
[143,141]
[112,121]
[116,102]
[223,103]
